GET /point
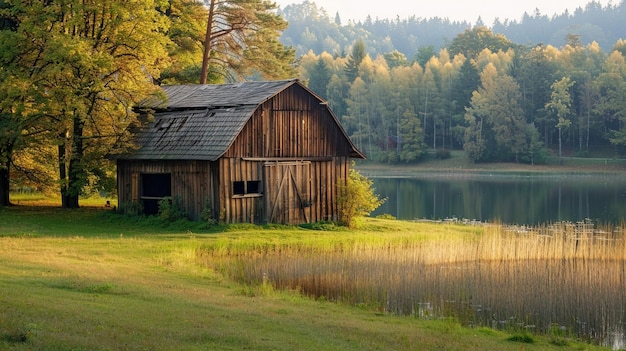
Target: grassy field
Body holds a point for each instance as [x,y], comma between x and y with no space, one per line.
[87,280]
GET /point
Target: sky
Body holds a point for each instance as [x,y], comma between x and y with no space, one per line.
[455,10]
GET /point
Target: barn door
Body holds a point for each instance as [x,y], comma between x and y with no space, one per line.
[287,192]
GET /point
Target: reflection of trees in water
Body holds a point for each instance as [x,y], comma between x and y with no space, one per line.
[521,200]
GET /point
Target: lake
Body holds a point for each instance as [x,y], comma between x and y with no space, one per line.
[512,198]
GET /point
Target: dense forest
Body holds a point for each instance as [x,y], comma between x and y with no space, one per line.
[515,92]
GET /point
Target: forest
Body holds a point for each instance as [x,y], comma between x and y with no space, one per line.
[400,98]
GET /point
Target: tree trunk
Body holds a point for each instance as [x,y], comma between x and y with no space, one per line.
[560,148]
[72,177]
[4,184]
[62,169]
[207,43]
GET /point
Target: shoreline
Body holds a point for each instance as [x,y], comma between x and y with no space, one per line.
[461,168]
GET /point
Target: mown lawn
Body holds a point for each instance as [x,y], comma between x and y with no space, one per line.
[84,280]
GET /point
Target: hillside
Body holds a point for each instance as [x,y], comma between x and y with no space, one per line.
[311,28]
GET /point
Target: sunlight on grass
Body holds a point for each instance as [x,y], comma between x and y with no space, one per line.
[39,199]
[89,279]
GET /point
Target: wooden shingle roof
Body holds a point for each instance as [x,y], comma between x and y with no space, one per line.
[200,122]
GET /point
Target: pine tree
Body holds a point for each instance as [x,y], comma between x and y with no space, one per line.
[241,40]
[354,60]
[319,77]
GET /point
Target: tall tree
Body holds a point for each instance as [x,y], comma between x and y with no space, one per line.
[354,60]
[241,40]
[561,104]
[611,85]
[319,77]
[535,73]
[187,25]
[412,136]
[12,122]
[90,62]
[471,42]
[497,128]
[463,85]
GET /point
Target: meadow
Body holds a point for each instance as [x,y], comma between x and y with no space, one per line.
[88,279]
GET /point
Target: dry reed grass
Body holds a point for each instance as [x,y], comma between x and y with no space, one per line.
[567,278]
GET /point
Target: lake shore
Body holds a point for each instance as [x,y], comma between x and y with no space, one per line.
[459,166]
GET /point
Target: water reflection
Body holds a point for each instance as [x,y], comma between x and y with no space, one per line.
[510,199]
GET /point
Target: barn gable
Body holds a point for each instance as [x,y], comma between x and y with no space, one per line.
[248,152]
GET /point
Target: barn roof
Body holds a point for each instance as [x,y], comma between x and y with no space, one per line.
[200,122]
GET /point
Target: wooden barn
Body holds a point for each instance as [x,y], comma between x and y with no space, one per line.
[257,152]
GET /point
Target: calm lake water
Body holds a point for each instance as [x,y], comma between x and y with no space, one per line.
[511,199]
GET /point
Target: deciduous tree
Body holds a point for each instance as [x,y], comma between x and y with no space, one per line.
[497,128]
[611,85]
[561,104]
[89,63]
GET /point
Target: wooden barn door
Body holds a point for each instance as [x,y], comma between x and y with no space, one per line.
[287,192]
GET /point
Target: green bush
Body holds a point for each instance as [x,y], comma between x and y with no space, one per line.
[524,337]
[356,198]
[171,209]
[442,154]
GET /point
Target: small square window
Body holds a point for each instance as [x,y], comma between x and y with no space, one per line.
[239,188]
[253,187]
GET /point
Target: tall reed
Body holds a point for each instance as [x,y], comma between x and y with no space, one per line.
[569,277]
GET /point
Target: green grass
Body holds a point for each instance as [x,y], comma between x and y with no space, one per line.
[84,280]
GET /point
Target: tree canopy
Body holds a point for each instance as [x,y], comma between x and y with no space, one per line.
[74,71]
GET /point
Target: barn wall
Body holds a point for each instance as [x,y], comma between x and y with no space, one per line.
[192,181]
[293,191]
[239,208]
[294,146]
[291,124]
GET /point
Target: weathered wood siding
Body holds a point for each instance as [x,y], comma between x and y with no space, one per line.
[293,192]
[292,124]
[192,181]
[294,146]
[234,208]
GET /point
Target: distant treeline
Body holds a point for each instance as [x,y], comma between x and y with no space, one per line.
[311,28]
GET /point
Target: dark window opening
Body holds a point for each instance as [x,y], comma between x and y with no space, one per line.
[239,188]
[154,187]
[251,187]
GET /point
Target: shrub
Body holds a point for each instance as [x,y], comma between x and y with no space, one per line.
[442,154]
[355,198]
[171,209]
[207,214]
[525,337]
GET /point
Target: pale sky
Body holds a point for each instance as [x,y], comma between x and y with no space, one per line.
[460,10]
